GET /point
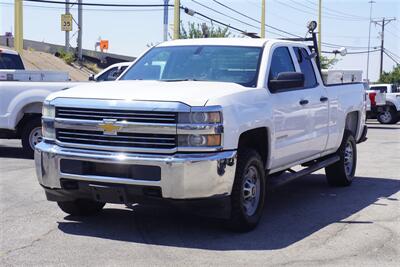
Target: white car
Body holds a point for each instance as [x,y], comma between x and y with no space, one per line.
[213,125]
[386,111]
[111,73]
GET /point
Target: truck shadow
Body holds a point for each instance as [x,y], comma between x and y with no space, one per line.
[12,152]
[292,213]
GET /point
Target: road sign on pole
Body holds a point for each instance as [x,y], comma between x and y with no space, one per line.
[66,22]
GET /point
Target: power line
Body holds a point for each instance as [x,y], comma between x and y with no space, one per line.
[98,4]
[246,16]
[352,53]
[221,13]
[333,11]
[312,13]
[90,9]
[394,60]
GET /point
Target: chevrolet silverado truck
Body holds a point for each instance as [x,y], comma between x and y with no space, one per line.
[205,123]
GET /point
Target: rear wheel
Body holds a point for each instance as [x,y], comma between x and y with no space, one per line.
[31,135]
[81,207]
[248,192]
[388,115]
[342,172]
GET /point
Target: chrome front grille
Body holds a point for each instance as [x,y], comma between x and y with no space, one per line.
[131,130]
[127,140]
[120,115]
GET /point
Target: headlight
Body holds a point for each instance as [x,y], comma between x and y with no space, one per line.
[48,130]
[199,140]
[200,117]
[48,110]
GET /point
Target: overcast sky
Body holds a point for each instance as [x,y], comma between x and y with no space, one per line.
[129,31]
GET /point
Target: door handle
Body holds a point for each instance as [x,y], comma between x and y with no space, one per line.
[323,99]
[303,102]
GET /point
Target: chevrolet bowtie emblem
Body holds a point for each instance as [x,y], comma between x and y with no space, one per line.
[110,127]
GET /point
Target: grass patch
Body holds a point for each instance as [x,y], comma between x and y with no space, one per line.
[68,57]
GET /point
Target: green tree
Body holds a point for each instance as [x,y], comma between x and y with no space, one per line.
[327,63]
[197,30]
[391,76]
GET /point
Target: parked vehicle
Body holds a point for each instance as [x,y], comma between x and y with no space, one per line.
[21,105]
[111,73]
[209,128]
[21,110]
[387,111]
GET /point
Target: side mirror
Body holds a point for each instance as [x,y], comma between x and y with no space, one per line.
[287,80]
[91,77]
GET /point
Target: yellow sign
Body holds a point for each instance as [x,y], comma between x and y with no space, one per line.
[66,22]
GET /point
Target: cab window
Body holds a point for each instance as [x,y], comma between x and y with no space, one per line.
[306,67]
[281,62]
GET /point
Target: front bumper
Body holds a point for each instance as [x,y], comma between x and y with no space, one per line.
[183,176]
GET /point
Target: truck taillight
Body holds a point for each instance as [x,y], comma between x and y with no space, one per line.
[372,98]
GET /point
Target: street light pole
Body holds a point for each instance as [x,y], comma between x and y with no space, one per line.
[66,32]
[166,2]
[262,18]
[369,36]
[177,19]
[18,27]
[319,27]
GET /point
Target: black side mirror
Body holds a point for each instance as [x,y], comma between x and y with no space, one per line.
[287,80]
[91,77]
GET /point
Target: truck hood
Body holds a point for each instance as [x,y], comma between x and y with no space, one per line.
[193,93]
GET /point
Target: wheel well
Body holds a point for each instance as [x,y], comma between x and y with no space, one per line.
[352,122]
[26,117]
[256,139]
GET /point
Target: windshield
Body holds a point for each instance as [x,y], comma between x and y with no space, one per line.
[382,89]
[199,63]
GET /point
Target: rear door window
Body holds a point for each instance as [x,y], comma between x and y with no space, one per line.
[306,67]
[11,62]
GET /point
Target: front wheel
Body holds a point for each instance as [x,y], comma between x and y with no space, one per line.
[342,172]
[248,192]
[81,207]
[31,135]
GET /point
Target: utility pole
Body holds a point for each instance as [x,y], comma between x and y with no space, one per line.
[319,26]
[18,26]
[80,24]
[262,18]
[369,36]
[67,32]
[177,19]
[382,24]
[166,2]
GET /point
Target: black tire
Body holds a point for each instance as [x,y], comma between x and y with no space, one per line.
[388,116]
[29,129]
[340,173]
[81,207]
[240,219]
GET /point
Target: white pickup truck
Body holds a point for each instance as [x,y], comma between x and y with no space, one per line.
[387,110]
[212,126]
[21,106]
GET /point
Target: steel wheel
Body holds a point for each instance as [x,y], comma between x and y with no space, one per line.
[348,159]
[35,137]
[386,116]
[251,190]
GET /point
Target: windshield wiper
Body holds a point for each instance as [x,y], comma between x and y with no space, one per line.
[181,80]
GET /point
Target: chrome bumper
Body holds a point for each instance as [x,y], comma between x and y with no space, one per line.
[183,176]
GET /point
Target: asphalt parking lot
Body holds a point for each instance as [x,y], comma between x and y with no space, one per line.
[305,222]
